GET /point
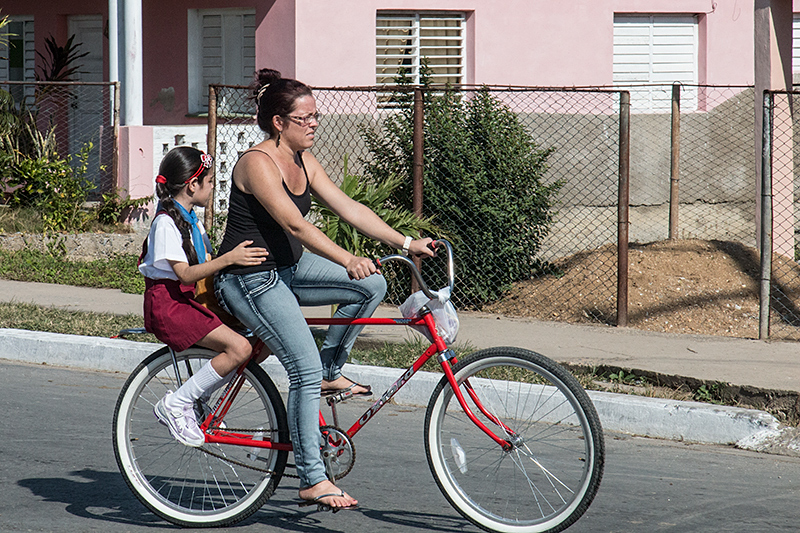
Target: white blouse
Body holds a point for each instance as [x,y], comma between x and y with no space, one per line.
[165,244]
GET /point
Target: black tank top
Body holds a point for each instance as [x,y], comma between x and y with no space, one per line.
[248,220]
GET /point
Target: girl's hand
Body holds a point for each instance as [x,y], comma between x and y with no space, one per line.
[244,256]
[420,247]
[360,267]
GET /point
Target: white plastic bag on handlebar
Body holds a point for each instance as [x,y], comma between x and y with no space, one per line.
[443,310]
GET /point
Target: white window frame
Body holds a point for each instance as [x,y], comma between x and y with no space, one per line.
[417,22]
[237,41]
[796,48]
[19,92]
[29,55]
[656,49]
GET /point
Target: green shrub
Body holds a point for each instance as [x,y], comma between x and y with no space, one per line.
[376,196]
[482,185]
[58,188]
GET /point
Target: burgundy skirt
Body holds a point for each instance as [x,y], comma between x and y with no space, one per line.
[173,315]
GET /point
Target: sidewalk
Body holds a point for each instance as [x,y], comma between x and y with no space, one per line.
[766,365]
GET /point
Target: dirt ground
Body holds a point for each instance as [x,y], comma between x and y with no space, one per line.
[684,286]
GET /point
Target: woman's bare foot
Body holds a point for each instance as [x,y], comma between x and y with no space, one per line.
[342,383]
[326,493]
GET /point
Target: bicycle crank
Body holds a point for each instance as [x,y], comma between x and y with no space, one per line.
[338,452]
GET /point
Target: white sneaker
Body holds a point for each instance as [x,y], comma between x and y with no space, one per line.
[181,422]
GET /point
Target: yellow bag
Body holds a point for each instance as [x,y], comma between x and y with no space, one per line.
[204,294]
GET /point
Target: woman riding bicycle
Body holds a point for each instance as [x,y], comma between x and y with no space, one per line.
[270,195]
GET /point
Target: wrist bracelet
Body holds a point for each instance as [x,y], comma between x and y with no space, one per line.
[406,244]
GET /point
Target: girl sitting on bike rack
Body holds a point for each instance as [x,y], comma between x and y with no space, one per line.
[176,257]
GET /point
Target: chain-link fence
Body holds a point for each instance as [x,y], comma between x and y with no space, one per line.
[692,163]
[574,138]
[75,115]
[780,313]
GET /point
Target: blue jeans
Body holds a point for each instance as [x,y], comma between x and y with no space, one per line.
[269,304]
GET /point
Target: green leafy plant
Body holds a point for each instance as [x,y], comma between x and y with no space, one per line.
[60,63]
[625,379]
[377,197]
[483,183]
[58,188]
[710,393]
[113,206]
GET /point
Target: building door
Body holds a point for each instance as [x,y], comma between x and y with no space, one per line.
[86,122]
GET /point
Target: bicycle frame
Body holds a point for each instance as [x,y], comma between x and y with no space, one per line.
[216,434]
[222,436]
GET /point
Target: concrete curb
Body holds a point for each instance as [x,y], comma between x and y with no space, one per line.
[635,415]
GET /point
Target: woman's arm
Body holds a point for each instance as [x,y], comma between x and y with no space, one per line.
[357,214]
[241,255]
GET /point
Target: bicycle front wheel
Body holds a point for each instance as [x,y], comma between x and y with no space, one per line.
[215,485]
[549,476]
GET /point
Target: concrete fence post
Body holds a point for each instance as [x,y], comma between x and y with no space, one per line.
[766,218]
[622,207]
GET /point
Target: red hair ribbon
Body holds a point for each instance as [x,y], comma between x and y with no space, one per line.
[161,179]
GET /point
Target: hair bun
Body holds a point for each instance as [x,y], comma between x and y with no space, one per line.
[266,76]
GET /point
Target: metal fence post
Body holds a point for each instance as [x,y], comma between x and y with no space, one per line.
[675,151]
[622,207]
[766,219]
[211,146]
[418,165]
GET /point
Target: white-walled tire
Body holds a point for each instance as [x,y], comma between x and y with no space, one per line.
[185,485]
[551,474]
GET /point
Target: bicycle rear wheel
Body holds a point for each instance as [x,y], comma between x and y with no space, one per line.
[548,478]
[215,485]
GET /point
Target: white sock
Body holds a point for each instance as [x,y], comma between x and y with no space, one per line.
[204,379]
[224,381]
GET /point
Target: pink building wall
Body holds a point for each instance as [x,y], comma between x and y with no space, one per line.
[539,42]
[325,43]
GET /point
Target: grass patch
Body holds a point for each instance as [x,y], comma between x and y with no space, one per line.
[118,272]
[37,318]
[402,355]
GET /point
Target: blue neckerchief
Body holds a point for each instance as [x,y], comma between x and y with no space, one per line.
[197,237]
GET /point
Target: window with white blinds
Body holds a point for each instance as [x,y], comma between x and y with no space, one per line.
[221,50]
[403,39]
[654,49]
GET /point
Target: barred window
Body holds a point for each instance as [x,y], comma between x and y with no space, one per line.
[403,39]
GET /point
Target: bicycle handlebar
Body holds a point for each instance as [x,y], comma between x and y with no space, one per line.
[440,243]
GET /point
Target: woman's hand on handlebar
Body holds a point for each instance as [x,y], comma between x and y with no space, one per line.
[421,247]
[360,267]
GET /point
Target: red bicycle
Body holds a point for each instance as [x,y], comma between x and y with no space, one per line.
[512,439]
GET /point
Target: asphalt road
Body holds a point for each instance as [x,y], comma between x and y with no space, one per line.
[58,473]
